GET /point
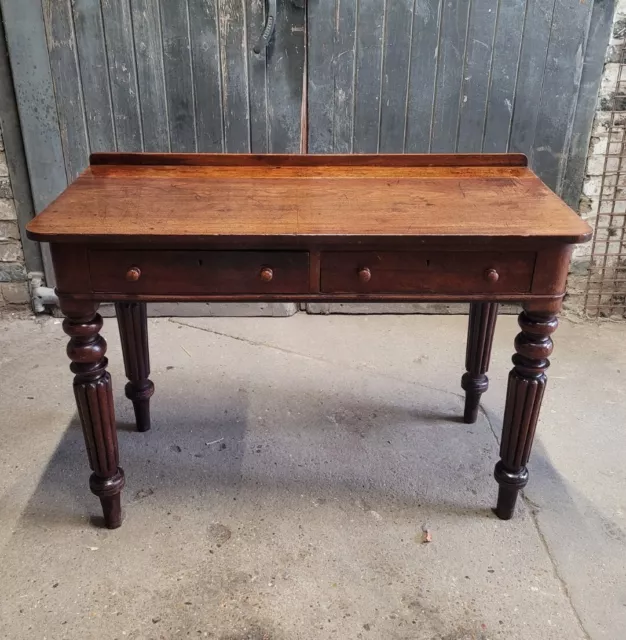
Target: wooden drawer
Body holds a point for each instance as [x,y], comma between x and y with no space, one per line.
[199,272]
[445,272]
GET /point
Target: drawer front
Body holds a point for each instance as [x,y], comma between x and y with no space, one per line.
[444,272]
[199,272]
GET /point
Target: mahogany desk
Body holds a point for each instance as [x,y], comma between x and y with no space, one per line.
[180,227]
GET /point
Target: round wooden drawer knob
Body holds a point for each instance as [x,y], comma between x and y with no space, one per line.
[365,275]
[266,274]
[492,276]
[133,274]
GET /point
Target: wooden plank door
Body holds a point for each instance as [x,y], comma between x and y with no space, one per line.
[380,76]
[150,75]
[458,76]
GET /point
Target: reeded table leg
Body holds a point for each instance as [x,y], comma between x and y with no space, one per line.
[94,399]
[482,323]
[527,382]
[132,320]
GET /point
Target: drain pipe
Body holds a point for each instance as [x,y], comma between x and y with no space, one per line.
[40,296]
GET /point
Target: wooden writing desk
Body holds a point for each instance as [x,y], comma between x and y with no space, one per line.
[145,227]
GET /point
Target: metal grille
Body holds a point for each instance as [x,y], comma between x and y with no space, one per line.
[605,294]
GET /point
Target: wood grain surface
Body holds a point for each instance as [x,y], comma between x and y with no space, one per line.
[256,196]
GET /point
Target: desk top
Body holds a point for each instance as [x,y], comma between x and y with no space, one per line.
[156,197]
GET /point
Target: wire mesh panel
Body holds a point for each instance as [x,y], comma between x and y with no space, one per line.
[605,294]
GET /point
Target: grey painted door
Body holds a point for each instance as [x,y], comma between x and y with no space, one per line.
[379,76]
[459,76]
[150,75]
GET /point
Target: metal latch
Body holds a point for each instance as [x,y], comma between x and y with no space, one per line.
[270,24]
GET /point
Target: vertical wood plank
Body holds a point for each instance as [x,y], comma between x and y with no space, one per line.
[343,71]
[67,87]
[454,22]
[285,77]
[178,76]
[369,53]
[257,77]
[597,40]
[530,74]
[321,76]
[205,51]
[150,74]
[94,72]
[32,78]
[478,59]
[16,158]
[560,86]
[234,76]
[332,41]
[118,34]
[422,77]
[396,58]
[506,54]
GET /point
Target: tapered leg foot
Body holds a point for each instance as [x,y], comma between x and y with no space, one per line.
[510,486]
[527,382]
[474,389]
[108,490]
[140,397]
[482,323]
[112,510]
[132,319]
[94,400]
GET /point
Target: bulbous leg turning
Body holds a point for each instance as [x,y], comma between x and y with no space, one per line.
[527,382]
[94,400]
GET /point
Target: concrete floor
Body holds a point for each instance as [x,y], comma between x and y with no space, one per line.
[291,468]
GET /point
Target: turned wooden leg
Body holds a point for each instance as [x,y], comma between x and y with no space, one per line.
[527,382]
[482,323]
[132,320]
[94,399]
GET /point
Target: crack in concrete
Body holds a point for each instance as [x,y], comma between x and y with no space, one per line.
[533,508]
[495,435]
[267,345]
[555,567]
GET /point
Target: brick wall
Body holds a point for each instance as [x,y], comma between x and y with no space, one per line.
[596,283]
[13,280]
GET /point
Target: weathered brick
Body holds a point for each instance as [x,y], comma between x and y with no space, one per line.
[5,188]
[13,277]
[12,272]
[596,164]
[592,187]
[11,251]
[9,230]
[601,123]
[7,209]
[15,292]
